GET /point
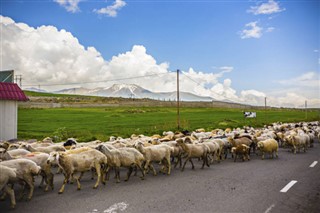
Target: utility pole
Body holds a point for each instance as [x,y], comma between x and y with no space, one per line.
[265,109]
[178,100]
[305,106]
[18,78]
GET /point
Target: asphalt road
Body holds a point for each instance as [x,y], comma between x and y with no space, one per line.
[252,186]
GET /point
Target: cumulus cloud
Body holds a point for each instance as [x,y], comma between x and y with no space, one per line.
[267,8]
[46,55]
[308,79]
[69,5]
[252,31]
[111,10]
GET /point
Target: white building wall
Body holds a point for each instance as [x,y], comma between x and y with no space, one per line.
[8,119]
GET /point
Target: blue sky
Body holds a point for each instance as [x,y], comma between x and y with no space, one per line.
[275,57]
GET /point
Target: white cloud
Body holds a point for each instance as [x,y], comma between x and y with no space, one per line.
[113,9]
[69,5]
[308,79]
[46,55]
[252,31]
[267,8]
[270,29]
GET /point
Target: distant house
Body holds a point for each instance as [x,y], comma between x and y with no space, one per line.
[10,94]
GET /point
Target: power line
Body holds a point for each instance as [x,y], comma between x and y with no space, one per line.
[199,84]
[90,82]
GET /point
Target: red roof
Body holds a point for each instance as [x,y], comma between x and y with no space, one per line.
[11,91]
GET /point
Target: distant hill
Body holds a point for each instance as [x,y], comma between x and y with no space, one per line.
[133,91]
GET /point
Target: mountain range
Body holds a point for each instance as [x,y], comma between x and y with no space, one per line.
[130,91]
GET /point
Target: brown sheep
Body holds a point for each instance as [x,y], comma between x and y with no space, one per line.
[241,150]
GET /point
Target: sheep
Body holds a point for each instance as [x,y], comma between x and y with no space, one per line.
[297,142]
[13,146]
[83,161]
[194,151]
[7,174]
[214,149]
[223,146]
[156,153]
[123,157]
[11,154]
[41,160]
[25,170]
[242,150]
[177,152]
[243,140]
[269,146]
[47,149]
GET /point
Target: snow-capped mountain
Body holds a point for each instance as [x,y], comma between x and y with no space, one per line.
[33,89]
[133,91]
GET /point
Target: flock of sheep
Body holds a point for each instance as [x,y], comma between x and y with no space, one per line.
[21,161]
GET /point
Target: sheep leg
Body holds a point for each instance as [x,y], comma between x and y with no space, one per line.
[178,160]
[42,179]
[29,181]
[190,159]
[169,165]
[117,172]
[184,164]
[107,173]
[98,171]
[206,161]
[93,174]
[81,174]
[203,161]
[78,183]
[66,178]
[49,180]
[129,173]
[142,171]
[235,157]
[135,170]
[262,157]
[146,165]
[8,190]
[59,170]
[218,154]
[153,170]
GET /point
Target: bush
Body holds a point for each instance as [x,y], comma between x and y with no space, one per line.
[61,134]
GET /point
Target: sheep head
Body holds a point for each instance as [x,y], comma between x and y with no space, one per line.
[53,157]
[260,145]
[2,152]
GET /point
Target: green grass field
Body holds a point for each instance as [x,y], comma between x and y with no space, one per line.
[100,123]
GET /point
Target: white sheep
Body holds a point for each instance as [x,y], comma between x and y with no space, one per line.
[7,174]
[41,160]
[46,149]
[268,146]
[123,157]
[25,170]
[11,154]
[200,150]
[156,153]
[83,161]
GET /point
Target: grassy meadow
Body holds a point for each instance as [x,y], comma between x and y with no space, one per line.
[100,123]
